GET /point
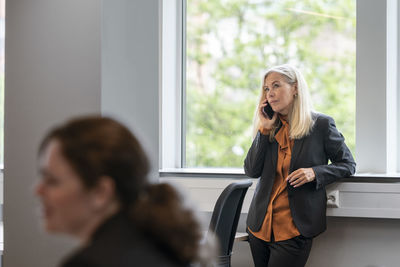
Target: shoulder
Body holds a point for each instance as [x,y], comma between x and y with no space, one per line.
[322,121]
[321,118]
[120,244]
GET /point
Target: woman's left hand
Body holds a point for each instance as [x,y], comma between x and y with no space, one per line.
[301,176]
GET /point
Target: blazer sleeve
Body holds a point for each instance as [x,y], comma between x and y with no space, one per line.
[254,161]
[342,162]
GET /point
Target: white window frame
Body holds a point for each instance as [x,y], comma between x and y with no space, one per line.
[377,98]
[171,85]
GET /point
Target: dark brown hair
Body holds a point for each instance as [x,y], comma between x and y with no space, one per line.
[96,147]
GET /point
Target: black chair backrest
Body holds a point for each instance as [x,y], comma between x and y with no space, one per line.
[225,217]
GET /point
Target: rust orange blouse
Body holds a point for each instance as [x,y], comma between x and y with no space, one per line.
[278,219]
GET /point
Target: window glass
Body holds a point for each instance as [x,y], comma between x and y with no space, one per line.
[229,44]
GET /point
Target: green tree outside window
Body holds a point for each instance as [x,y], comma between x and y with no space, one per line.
[229,45]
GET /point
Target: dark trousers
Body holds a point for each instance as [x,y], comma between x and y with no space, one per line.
[289,253]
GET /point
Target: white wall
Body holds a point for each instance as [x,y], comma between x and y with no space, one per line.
[130,56]
[348,242]
[65,58]
[52,72]
[371,59]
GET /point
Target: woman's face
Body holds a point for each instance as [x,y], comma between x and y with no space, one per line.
[67,206]
[279,93]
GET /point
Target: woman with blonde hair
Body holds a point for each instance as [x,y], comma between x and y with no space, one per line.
[290,152]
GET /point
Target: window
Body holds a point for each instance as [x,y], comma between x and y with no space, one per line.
[222,47]
[229,43]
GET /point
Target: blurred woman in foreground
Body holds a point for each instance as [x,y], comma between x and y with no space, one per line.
[94,186]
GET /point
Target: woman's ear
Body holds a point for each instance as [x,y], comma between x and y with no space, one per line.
[104,192]
[296,92]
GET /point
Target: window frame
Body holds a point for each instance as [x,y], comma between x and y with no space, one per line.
[376,52]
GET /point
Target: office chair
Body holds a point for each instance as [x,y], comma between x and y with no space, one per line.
[225,218]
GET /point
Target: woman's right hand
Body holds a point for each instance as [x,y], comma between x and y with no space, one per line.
[265,122]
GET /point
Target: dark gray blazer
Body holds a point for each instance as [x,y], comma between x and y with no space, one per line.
[307,202]
[117,243]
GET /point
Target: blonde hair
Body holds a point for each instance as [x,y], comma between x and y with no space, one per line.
[299,117]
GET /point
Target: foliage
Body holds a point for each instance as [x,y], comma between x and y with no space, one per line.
[230,43]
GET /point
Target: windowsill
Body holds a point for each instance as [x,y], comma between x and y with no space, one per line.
[238,173]
[362,195]
[202,172]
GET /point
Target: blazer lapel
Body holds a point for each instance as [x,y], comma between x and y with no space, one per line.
[274,154]
[274,149]
[298,144]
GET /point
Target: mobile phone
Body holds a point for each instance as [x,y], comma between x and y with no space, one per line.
[269,111]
